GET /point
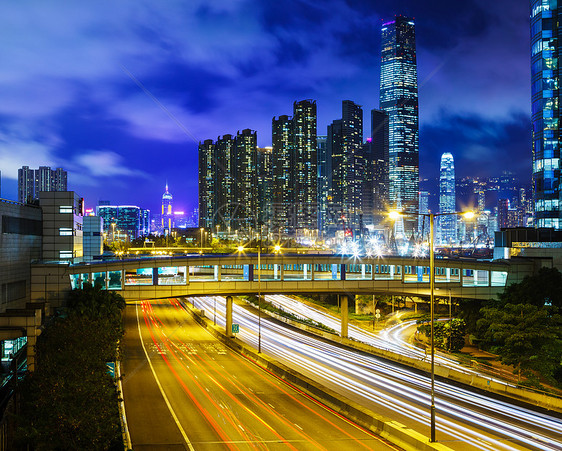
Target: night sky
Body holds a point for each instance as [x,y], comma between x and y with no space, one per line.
[119,93]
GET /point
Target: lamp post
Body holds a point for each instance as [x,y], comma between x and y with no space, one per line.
[467,215]
[259,292]
[201,242]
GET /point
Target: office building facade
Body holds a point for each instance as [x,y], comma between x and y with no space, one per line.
[545,111]
[32,181]
[447,224]
[124,222]
[399,99]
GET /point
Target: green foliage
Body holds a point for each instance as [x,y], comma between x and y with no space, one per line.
[70,401]
[448,335]
[524,327]
[544,289]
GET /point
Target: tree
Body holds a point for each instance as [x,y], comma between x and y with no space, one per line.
[524,326]
[447,335]
[70,401]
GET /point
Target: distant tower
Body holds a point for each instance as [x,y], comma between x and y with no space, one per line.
[399,99]
[167,214]
[447,200]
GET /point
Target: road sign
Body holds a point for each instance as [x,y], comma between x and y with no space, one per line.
[377,315]
[111,368]
[235,328]
[377,311]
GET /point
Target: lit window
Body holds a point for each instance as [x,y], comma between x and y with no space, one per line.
[65,231]
[63,255]
[66,209]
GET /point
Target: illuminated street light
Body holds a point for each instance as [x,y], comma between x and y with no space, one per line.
[394,215]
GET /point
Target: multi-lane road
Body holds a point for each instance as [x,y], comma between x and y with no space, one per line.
[185,390]
[465,419]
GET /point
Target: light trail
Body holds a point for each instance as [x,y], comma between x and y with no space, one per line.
[475,420]
[206,385]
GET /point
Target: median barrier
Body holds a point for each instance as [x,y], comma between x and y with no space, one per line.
[386,428]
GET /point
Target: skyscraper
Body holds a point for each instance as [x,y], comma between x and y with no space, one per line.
[32,181]
[295,169]
[283,157]
[324,179]
[378,165]
[245,190]
[167,214]
[305,169]
[447,228]
[345,148]
[399,99]
[545,85]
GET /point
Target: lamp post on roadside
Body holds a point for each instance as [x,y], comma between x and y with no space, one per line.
[259,290]
[467,215]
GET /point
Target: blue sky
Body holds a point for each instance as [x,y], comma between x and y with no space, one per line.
[120,93]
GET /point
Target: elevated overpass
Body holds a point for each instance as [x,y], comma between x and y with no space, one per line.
[237,274]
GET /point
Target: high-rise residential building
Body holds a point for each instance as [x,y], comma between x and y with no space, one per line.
[305,168]
[399,99]
[245,204]
[545,84]
[32,181]
[265,186]
[324,179]
[295,169]
[377,162]
[283,162]
[167,219]
[207,207]
[345,148]
[228,182]
[447,225]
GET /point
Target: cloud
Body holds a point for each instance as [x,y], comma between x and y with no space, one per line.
[19,150]
[103,163]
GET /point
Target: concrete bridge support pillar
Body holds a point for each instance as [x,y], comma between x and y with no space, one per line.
[229,316]
[344,315]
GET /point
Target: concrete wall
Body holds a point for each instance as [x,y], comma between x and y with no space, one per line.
[18,247]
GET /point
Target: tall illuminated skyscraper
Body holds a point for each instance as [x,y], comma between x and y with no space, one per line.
[545,85]
[447,228]
[399,99]
[167,214]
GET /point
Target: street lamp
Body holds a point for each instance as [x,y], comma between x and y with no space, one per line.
[259,292]
[396,215]
[201,242]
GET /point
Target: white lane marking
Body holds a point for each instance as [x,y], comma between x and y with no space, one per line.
[184,435]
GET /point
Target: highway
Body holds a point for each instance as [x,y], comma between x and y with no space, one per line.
[390,339]
[465,419]
[183,389]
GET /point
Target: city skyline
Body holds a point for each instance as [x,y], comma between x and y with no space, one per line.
[122,109]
